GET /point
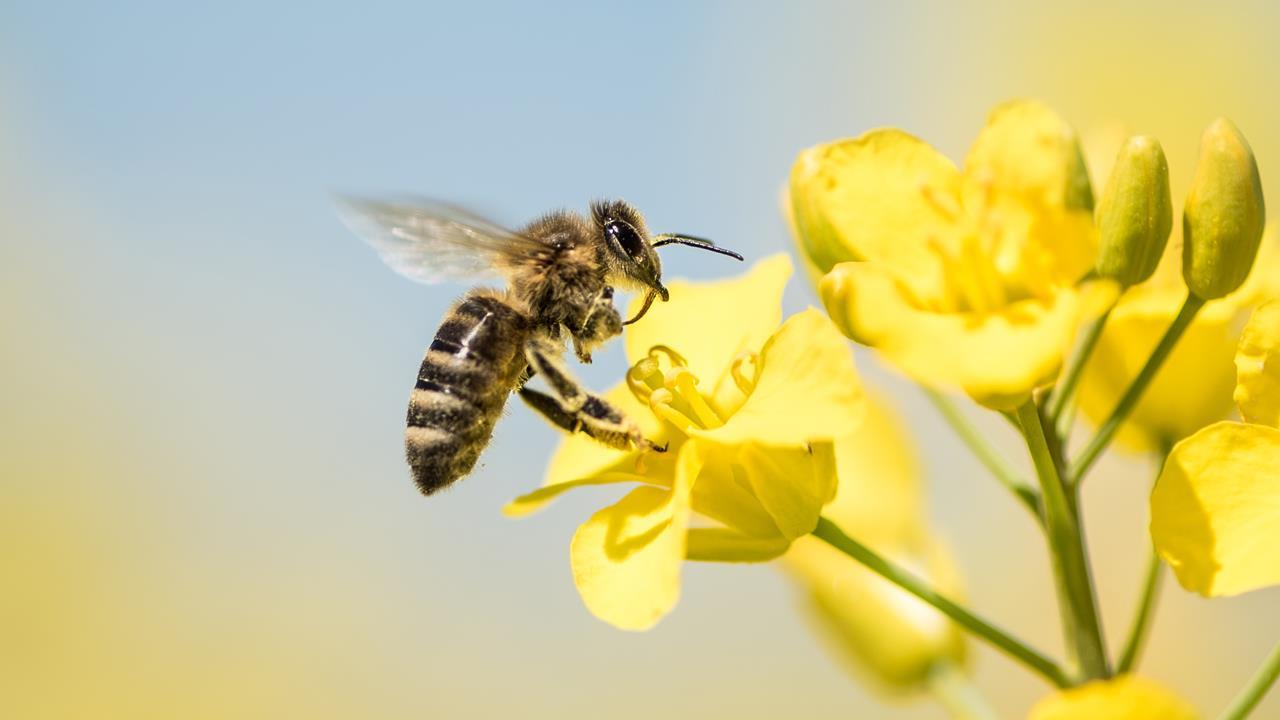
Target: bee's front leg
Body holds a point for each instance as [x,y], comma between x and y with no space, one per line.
[577,409]
[601,322]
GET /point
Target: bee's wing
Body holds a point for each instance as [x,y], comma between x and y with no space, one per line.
[430,241]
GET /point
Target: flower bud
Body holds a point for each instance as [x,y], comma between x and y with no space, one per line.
[1135,213]
[1224,215]
[1079,193]
[877,629]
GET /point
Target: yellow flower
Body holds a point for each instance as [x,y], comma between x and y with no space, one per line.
[919,256]
[747,409]
[881,630]
[1127,697]
[1215,510]
[1193,387]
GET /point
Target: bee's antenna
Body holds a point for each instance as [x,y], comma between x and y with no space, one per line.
[648,301]
[673,239]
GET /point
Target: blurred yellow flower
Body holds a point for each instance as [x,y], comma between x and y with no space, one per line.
[1215,510]
[1193,387]
[881,630]
[986,262]
[748,410]
[1127,697]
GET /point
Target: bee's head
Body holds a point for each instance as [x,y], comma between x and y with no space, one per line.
[628,251]
[631,253]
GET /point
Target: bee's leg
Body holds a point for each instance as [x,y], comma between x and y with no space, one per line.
[602,322]
[575,408]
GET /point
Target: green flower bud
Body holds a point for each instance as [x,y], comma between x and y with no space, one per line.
[1135,213]
[1223,218]
[1079,194]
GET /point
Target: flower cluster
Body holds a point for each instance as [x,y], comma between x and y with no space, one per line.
[1000,279]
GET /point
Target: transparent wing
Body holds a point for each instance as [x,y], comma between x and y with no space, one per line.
[430,241]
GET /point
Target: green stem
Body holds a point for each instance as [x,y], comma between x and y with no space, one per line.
[831,534]
[1133,394]
[1147,598]
[1141,616]
[986,454]
[953,690]
[1081,625]
[1066,389]
[1257,688]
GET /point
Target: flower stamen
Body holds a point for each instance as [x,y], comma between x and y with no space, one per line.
[675,358]
[684,384]
[660,403]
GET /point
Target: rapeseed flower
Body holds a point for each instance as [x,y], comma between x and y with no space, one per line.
[1127,697]
[747,407]
[987,262]
[1215,509]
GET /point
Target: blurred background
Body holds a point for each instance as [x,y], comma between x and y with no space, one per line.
[204,511]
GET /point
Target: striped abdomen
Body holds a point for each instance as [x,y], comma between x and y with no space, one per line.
[474,362]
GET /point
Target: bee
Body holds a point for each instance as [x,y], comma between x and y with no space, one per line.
[561,271]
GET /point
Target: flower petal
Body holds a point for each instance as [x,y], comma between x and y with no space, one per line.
[580,461]
[998,358]
[884,196]
[726,545]
[626,558]
[722,493]
[1258,367]
[1127,697]
[1192,388]
[533,501]
[580,456]
[711,323]
[791,483]
[807,388]
[1029,153]
[1215,510]
[1025,174]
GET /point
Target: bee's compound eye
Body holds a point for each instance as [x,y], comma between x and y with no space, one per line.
[626,238]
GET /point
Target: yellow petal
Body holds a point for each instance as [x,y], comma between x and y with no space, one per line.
[791,483]
[626,558]
[1192,388]
[1025,177]
[1258,367]
[878,497]
[1029,153]
[723,494]
[726,545]
[883,196]
[711,323]
[1127,697]
[807,388]
[1215,510]
[536,500]
[878,628]
[998,358]
[581,461]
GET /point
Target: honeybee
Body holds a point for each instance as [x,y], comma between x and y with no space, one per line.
[561,271]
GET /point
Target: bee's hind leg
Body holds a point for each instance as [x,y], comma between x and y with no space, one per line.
[577,409]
